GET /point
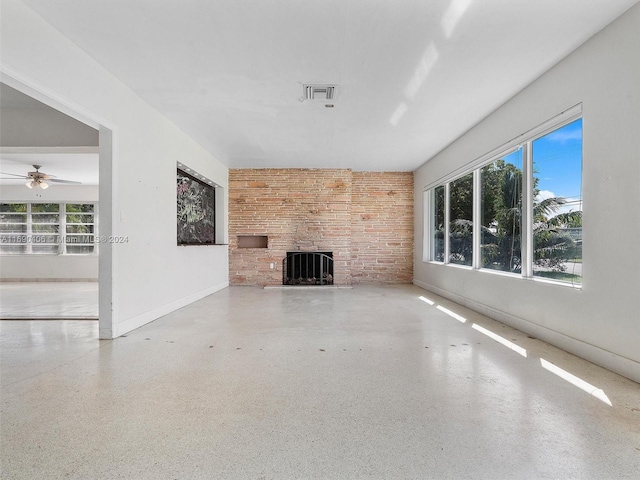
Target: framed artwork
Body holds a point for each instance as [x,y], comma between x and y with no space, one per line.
[196,211]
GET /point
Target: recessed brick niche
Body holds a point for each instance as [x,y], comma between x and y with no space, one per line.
[364,218]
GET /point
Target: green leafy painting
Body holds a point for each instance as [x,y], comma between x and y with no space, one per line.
[196,211]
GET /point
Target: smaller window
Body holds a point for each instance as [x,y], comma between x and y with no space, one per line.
[461,220]
[13,228]
[437,227]
[45,228]
[80,228]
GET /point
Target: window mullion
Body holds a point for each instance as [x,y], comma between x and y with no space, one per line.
[62,229]
[527,211]
[447,216]
[427,225]
[28,248]
[96,228]
[476,238]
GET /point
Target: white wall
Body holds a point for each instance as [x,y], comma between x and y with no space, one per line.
[43,127]
[49,267]
[55,194]
[151,276]
[601,322]
[15,268]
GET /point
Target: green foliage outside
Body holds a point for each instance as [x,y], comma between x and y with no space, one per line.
[556,236]
[501,216]
[461,220]
[78,215]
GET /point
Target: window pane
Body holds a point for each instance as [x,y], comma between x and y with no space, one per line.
[70,239]
[557,209]
[13,207]
[45,228]
[53,249]
[461,220]
[13,239]
[13,228]
[45,218]
[437,227]
[501,209]
[79,218]
[45,207]
[40,239]
[79,207]
[80,249]
[13,218]
[79,228]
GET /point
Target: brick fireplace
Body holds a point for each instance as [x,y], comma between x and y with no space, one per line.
[365,219]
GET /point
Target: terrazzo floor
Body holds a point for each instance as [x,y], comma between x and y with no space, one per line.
[370,382]
[49,300]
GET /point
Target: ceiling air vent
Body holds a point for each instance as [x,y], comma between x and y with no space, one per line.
[319,92]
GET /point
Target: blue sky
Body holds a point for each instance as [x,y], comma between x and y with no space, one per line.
[558,162]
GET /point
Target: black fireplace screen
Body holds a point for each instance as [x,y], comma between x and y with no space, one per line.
[307,268]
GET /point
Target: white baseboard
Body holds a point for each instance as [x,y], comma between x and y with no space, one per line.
[140,320]
[616,363]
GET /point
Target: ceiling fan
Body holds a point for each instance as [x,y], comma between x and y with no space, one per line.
[38,179]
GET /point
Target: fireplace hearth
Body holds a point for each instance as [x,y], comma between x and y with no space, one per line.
[307,268]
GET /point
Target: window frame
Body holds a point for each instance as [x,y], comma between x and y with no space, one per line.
[478,265]
[525,142]
[448,234]
[65,223]
[32,233]
[61,234]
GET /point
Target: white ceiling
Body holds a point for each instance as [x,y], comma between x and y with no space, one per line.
[412,75]
[66,164]
[77,163]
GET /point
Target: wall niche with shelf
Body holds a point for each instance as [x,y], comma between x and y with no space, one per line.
[253,241]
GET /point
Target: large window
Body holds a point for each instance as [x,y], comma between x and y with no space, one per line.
[47,228]
[519,211]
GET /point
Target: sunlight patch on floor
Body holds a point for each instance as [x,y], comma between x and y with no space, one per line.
[460,318]
[516,348]
[576,381]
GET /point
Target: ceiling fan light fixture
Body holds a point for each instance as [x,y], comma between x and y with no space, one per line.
[37,183]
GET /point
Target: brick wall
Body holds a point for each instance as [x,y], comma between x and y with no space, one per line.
[382,227]
[317,210]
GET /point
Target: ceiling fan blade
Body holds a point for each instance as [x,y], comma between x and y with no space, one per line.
[68,182]
[18,177]
[44,176]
